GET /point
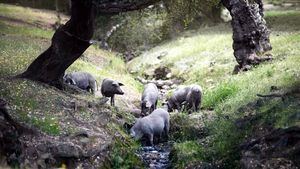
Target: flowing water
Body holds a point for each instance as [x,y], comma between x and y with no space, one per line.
[155,157]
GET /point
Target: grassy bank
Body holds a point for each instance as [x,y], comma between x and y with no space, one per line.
[205,57]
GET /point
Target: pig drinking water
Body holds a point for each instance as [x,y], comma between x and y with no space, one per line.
[154,125]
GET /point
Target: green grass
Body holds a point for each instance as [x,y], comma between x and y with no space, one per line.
[31,107]
[280,113]
[115,68]
[16,53]
[186,153]
[285,21]
[122,154]
[206,58]
[25,31]
[215,97]
[29,16]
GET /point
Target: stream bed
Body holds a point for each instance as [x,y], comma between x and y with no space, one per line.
[156,157]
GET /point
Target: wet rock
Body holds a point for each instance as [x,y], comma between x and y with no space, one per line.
[135,112]
[277,149]
[128,56]
[103,100]
[91,104]
[161,72]
[82,133]
[169,75]
[162,54]
[66,150]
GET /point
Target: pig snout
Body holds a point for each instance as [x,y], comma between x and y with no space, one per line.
[119,91]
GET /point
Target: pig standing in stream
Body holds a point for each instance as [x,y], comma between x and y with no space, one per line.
[153,125]
[111,87]
[149,99]
[82,80]
[189,96]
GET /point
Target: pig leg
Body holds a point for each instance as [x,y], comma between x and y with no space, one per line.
[150,137]
[193,108]
[159,138]
[166,130]
[92,89]
[112,100]
[88,89]
[198,106]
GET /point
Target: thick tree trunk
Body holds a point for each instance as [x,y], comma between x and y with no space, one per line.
[250,33]
[68,44]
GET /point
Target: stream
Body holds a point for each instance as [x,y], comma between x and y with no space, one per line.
[155,157]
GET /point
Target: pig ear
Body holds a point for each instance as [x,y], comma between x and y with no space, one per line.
[121,84]
[115,83]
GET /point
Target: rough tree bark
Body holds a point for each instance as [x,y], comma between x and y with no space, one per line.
[68,43]
[250,33]
[72,39]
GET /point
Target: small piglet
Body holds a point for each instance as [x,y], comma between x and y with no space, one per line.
[149,98]
[153,125]
[111,87]
[189,96]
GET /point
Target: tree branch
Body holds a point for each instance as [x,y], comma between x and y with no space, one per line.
[117,6]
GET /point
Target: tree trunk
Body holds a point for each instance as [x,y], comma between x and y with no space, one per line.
[250,33]
[68,44]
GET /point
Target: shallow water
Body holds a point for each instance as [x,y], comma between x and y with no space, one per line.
[155,157]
